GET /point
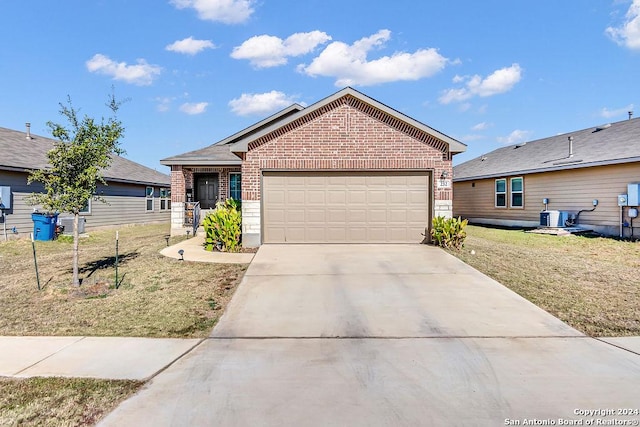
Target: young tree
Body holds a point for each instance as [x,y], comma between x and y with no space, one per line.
[76,163]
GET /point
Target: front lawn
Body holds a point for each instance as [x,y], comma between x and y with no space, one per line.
[591,283]
[158,296]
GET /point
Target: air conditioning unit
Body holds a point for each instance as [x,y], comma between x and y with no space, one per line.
[554,218]
[67,223]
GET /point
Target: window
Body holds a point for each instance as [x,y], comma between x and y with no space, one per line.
[235,186]
[165,199]
[149,196]
[87,209]
[501,193]
[517,199]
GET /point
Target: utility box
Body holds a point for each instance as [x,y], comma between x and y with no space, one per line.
[623,200]
[5,198]
[67,225]
[633,192]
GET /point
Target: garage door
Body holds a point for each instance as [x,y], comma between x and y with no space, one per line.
[345,207]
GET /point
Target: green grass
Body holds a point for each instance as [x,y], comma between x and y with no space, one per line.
[591,283]
[60,401]
[157,296]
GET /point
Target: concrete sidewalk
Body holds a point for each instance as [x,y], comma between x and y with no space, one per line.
[194,251]
[90,357]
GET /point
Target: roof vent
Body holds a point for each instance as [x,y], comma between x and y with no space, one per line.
[483,158]
[630,114]
[603,127]
[570,146]
[28,126]
[522,144]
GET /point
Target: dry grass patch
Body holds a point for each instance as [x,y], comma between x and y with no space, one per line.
[157,296]
[60,401]
[591,283]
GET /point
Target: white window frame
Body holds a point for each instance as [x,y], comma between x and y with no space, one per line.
[88,210]
[147,198]
[511,192]
[240,175]
[165,198]
[496,193]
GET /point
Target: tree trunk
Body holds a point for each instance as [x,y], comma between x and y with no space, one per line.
[76,237]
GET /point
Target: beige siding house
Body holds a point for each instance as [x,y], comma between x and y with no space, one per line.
[510,185]
[135,194]
[346,169]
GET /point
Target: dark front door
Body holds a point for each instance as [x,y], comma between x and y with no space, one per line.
[207,191]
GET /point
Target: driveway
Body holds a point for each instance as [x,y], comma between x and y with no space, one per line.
[383,335]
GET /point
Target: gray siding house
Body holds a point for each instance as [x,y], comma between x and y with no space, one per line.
[135,194]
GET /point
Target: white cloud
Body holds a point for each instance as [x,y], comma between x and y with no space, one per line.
[141,74]
[499,81]
[260,103]
[607,114]
[270,51]
[628,34]
[481,126]
[226,11]
[190,46]
[194,108]
[515,137]
[164,104]
[349,64]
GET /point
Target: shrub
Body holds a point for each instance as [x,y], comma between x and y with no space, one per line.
[449,233]
[223,227]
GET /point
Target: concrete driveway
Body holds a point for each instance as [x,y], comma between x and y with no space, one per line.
[383,335]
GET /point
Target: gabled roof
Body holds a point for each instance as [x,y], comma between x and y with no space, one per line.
[454,146]
[219,153]
[22,155]
[222,152]
[608,144]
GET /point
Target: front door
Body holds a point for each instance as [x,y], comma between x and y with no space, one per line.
[207,191]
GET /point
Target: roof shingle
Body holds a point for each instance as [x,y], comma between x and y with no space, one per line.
[609,144]
[21,154]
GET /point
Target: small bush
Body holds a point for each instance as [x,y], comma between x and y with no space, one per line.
[449,233]
[223,227]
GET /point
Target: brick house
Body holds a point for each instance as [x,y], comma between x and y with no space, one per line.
[345,169]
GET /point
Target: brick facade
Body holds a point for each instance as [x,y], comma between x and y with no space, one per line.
[344,138]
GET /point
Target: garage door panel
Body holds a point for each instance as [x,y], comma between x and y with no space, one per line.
[336,197]
[398,216]
[356,216]
[295,216]
[336,216]
[336,234]
[377,215]
[314,215]
[398,196]
[377,197]
[315,197]
[357,196]
[417,197]
[340,207]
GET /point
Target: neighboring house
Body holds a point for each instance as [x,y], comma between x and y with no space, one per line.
[135,194]
[345,169]
[508,186]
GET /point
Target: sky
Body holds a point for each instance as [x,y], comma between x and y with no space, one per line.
[488,73]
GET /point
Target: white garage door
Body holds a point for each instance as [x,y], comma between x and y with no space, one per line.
[349,207]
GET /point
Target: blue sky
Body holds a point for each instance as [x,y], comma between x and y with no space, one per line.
[488,73]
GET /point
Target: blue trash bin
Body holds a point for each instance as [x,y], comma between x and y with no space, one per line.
[44,225]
